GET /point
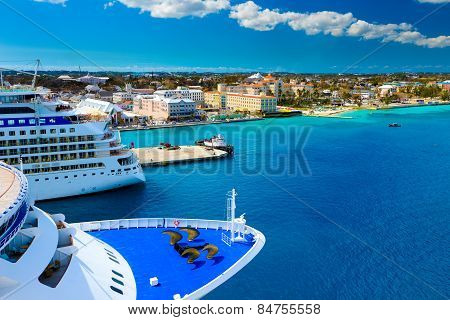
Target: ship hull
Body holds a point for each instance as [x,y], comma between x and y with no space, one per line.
[48,186]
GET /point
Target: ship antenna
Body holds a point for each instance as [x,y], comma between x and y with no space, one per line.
[33,84]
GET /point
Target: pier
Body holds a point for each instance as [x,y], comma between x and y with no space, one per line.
[159,156]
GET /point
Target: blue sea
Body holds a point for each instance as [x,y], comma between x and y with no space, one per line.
[351,209]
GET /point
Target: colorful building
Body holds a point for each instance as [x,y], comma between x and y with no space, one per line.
[251,103]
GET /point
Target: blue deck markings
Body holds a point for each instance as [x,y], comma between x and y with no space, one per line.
[149,255]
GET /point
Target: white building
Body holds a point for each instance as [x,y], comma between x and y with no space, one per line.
[386,90]
[160,108]
[182,93]
[92,80]
[119,97]
[102,107]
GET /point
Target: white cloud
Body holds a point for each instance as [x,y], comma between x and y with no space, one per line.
[376,31]
[251,15]
[177,8]
[109,4]
[326,22]
[63,2]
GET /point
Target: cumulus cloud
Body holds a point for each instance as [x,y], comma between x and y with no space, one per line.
[250,15]
[63,2]
[177,8]
[370,31]
[326,22]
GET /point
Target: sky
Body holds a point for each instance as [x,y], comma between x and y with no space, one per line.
[302,36]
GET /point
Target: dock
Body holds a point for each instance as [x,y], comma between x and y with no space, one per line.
[158,156]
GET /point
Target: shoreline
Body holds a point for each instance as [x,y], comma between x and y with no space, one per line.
[176,125]
[340,114]
[337,114]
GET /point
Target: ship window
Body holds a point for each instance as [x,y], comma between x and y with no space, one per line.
[22,132]
[32,131]
[52,130]
[114,260]
[36,180]
[111,255]
[62,130]
[46,179]
[12,133]
[43,131]
[117,273]
[2,134]
[117,281]
[116,290]
[72,129]
[84,175]
[75,176]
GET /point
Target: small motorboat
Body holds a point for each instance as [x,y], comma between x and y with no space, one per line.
[394,125]
[216,142]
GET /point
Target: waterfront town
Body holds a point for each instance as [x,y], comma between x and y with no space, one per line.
[167,99]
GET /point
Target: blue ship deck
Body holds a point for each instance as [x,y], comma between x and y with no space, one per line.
[149,254]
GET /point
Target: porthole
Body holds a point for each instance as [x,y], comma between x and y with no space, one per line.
[116,290]
[114,260]
[117,281]
[117,273]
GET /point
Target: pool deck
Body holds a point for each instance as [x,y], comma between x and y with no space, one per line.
[157,156]
[149,254]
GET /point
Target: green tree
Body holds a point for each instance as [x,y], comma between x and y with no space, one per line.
[445,95]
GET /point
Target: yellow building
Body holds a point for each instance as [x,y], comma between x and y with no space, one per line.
[216,100]
[251,103]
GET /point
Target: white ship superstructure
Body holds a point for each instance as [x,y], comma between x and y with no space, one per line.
[44,257]
[62,151]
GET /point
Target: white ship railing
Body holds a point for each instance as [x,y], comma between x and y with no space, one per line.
[259,243]
[158,223]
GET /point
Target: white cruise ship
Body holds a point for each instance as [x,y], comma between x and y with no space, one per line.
[44,257]
[63,152]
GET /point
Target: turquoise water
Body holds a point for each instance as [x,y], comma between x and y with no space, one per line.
[357,211]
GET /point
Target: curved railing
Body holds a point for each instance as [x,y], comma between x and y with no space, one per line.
[153,223]
[259,243]
[14,216]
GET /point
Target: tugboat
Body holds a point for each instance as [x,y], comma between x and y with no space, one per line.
[395,125]
[216,142]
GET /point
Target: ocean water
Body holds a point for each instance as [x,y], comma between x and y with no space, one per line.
[351,209]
